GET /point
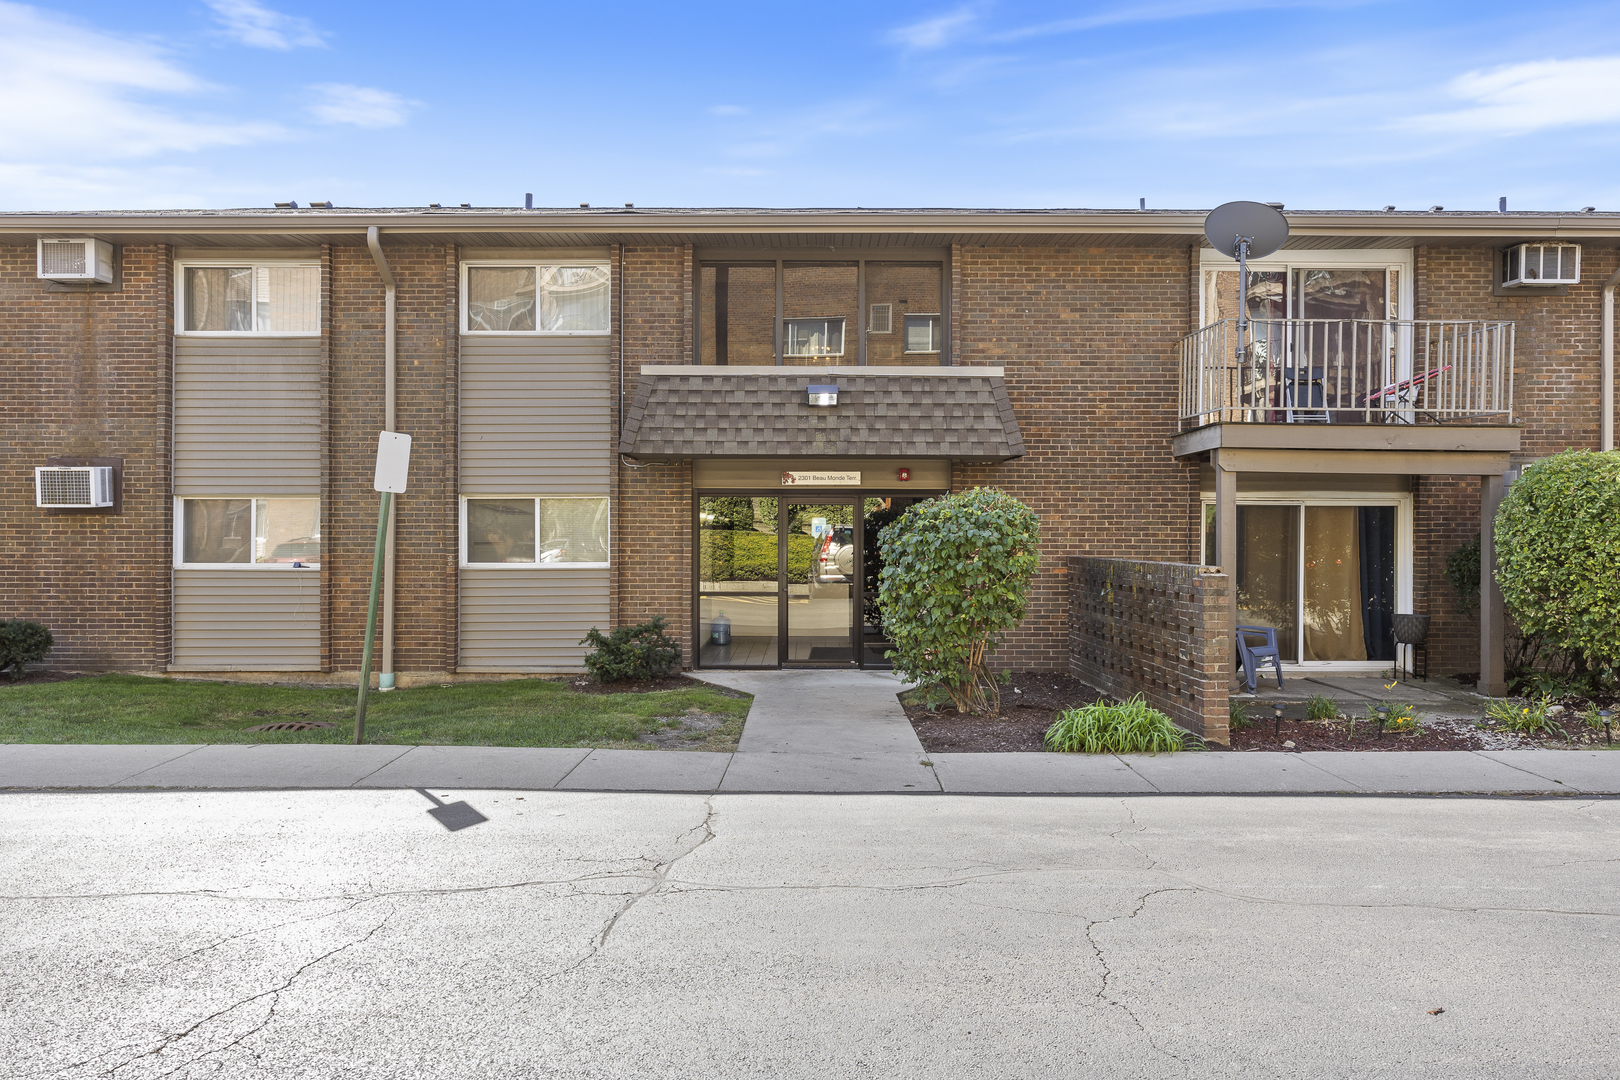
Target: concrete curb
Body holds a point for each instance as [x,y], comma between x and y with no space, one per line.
[36,767]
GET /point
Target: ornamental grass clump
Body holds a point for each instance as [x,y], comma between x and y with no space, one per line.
[1130,727]
[956,574]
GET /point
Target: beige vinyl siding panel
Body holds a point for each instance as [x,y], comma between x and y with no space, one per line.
[247,620]
[536,416]
[529,620]
[247,416]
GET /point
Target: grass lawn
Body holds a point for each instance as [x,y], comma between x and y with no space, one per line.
[522,712]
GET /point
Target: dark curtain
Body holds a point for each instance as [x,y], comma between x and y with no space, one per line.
[1377,527]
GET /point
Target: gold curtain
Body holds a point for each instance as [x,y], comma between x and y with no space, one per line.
[1333,624]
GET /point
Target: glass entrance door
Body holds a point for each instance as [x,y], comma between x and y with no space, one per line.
[821,587]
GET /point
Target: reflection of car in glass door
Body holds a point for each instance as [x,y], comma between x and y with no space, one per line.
[833,562]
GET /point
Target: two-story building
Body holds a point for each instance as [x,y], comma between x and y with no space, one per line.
[708,414]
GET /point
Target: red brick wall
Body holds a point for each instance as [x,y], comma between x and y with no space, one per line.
[1556,387]
[1157,629]
[87,374]
[1088,339]
[426,517]
[653,523]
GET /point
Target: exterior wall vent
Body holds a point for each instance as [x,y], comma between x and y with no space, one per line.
[73,487]
[881,320]
[1541,264]
[76,260]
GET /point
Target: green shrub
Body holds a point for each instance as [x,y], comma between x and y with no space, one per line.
[1127,728]
[23,643]
[632,652]
[1237,715]
[955,573]
[1321,707]
[1462,574]
[751,556]
[1558,554]
[1530,718]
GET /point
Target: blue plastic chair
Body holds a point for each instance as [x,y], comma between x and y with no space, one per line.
[1253,656]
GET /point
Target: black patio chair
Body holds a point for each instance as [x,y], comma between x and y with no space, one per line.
[1253,656]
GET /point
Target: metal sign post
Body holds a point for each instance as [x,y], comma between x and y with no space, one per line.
[393,463]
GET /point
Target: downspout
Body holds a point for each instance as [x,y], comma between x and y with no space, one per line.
[385,676]
[1607,374]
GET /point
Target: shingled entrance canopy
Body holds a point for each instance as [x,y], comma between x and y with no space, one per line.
[687,412]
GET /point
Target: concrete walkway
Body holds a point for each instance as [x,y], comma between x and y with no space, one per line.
[808,731]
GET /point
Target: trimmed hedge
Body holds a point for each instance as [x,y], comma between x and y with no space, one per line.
[751,556]
[23,643]
[1558,553]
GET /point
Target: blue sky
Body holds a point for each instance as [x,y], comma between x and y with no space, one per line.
[1188,103]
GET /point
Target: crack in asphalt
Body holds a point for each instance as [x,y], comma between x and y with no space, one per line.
[274,994]
[264,930]
[657,880]
[1102,994]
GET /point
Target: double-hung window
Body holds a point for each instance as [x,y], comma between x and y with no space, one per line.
[922,333]
[248,532]
[280,297]
[536,298]
[534,531]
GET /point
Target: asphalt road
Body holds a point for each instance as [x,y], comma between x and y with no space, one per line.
[327,934]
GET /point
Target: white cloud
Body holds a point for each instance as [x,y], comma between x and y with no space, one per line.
[1186,9]
[1521,98]
[935,33]
[100,103]
[362,106]
[253,24]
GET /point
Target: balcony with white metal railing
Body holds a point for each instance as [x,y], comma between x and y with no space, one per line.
[1344,371]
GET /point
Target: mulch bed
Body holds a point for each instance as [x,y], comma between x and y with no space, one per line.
[41,676]
[1034,700]
[1029,706]
[587,685]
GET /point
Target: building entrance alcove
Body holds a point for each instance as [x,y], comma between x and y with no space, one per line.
[790,581]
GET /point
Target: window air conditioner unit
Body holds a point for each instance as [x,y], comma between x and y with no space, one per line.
[1541,264]
[73,487]
[76,260]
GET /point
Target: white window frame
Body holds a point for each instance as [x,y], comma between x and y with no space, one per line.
[253,528]
[180,268]
[536,265]
[935,336]
[538,536]
[1404,553]
[843,336]
[1288,261]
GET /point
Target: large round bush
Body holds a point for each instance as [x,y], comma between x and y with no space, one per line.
[1558,553]
[956,571]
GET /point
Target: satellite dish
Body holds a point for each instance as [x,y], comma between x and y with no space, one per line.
[1262,226]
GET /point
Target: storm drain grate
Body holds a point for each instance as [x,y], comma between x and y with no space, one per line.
[293,725]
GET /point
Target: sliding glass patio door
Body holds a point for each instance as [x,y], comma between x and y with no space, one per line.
[1326,576]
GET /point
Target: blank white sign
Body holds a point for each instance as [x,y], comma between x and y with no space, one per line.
[393,461]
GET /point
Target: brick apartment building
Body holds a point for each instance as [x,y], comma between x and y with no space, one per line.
[612,419]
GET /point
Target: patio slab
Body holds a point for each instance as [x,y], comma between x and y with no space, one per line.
[463,767]
[1217,773]
[286,765]
[648,770]
[829,773]
[1596,771]
[27,765]
[1427,771]
[1036,772]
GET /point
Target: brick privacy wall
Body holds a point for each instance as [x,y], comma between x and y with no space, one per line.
[652,573]
[1088,340]
[1557,352]
[87,374]
[1158,629]
[425,519]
